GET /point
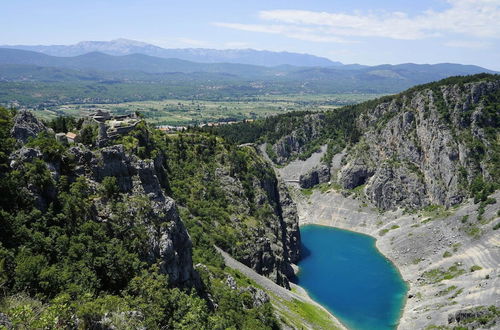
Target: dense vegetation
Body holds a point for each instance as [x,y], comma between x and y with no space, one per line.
[338,129]
[60,266]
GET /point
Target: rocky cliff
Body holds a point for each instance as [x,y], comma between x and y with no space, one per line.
[142,196]
[262,224]
[318,174]
[426,146]
[146,202]
[433,144]
[246,209]
[272,247]
[298,140]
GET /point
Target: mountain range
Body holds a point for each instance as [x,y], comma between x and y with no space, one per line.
[121,47]
[27,74]
[129,67]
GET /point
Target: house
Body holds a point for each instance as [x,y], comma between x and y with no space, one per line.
[71,137]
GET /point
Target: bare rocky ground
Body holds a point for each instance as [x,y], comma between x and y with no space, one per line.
[292,171]
[449,258]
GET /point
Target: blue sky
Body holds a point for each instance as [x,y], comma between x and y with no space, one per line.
[356,31]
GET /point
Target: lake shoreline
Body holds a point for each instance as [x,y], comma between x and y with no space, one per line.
[419,244]
[424,305]
[372,240]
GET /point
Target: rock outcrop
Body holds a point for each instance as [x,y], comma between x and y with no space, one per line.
[169,241]
[26,125]
[421,148]
[482,317]
[271,247]
[5,322]
[295,143]
[140,182]
[317,175]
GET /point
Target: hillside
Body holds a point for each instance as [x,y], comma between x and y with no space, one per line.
[125,227]
[441,234]
[433,144]
[119,230]
[419,172]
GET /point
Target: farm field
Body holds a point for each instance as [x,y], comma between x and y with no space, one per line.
[194,112]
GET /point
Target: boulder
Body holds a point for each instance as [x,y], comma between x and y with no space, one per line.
[24,155]
[5,322]
[26,125]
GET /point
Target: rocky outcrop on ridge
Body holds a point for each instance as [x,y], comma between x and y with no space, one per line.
[138,180]
[26,125]
[169,241]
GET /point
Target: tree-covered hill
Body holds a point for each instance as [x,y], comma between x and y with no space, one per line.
[122,234]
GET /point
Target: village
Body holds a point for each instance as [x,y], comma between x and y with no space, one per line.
[173,129]
[112,126]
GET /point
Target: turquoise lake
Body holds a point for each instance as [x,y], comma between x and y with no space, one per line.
[344,272]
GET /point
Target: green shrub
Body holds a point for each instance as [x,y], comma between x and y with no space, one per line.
[109,187]
[475,267]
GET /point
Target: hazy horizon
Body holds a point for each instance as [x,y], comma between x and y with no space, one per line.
[388,32]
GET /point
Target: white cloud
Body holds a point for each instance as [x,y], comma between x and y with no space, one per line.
[296,32]
[476,18]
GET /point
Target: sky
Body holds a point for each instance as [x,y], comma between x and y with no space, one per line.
[355,31]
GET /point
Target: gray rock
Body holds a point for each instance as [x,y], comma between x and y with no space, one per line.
[409,154]
[290,224]
[120,320]
[5,322]
[295,143]
[271,246]
[317,175]
[231,282]
[24,155]
[482,317]
[259,297]
[396,186]
[169,242]
[26,125]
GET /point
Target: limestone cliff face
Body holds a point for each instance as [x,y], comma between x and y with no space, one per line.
[421,148]
[295,143]
[263,215]
[169,242]
[318,174]
[26,125]
[139,181]
[269,247]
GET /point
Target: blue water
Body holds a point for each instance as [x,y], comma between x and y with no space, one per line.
[344,272]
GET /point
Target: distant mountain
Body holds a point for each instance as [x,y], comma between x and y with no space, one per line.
[136,62]
[121,47]
[407,74]
[213,79]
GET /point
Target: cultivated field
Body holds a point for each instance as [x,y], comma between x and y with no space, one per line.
[182,112]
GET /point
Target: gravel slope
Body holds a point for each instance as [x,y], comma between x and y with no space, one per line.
[419,243]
